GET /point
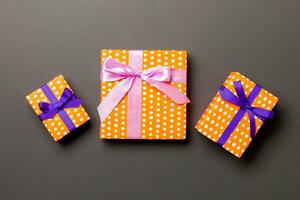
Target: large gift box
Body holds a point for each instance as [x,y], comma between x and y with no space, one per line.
[236,113]
[58,107]
[143,94]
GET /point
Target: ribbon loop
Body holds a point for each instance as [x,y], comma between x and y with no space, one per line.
[158,77]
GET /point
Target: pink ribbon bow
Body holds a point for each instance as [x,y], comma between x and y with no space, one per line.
[158,77]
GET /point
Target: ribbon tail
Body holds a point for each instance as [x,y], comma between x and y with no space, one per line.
[114,97]
[172,92]
[252,123]
[263,114]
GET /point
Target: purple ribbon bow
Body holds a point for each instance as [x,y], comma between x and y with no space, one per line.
[245,107]
[67,100]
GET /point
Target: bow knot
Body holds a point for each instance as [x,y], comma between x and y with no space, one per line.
[246,106]
[113,70]
[67,100]
[137,74]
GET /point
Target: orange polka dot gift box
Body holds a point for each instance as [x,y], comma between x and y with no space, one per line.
[236,113]
[58,107]
[143,94]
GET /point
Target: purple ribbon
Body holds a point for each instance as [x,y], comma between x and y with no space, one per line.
[67,100]
[245,107]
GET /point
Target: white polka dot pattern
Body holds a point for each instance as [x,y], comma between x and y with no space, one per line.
[220,113]
[161,118]
[115,125]
[56,126]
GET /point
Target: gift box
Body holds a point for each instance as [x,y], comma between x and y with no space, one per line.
[236,113]
[58,107]
[143,94]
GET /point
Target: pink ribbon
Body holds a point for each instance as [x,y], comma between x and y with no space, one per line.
[130,77]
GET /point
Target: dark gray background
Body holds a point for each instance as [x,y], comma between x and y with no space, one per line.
[40,39]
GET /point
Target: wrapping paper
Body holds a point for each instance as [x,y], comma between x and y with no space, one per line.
[157,115]
[57,107]
[221,115]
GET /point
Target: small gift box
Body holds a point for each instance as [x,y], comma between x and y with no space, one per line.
[58,107]
[143,94]
[236,113]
